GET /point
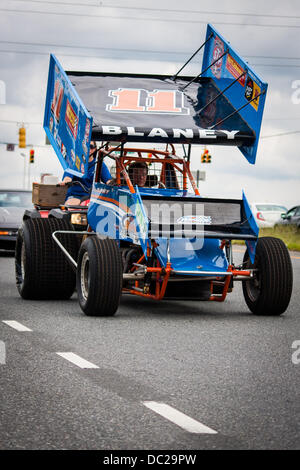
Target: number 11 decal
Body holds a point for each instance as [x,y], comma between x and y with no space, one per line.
[143,101]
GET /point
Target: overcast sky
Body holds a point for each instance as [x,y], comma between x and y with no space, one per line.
[139,36]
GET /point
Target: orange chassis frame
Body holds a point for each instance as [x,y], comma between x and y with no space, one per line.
[162,278]
[163,274]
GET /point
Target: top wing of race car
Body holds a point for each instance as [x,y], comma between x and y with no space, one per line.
[223,105]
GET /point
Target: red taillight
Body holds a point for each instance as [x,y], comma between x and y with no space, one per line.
[260,216]
[44,214]
[85,203]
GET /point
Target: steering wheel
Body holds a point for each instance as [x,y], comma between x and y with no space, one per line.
[161,185]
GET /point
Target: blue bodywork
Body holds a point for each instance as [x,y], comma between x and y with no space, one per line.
[120,214]
[187,257]
[67,122]
[232,66]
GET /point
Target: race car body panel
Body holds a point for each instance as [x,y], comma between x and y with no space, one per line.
[247,94]
[193,257]
[143,108]
[194,225]
[67,123]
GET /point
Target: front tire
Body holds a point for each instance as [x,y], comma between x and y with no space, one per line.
[99,276]
[269,292]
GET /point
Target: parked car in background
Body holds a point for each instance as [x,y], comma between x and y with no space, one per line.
[291,217]
[267,214]
[12,205]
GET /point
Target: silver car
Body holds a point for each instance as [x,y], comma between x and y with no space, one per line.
[291,217]
[12,206]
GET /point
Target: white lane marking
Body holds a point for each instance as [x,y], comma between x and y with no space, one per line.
[182,420]
[16,325]
[77,360]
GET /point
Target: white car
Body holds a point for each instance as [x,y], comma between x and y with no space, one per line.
[267,214]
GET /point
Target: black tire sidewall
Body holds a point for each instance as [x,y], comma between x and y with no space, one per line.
[48,274]
[24,284]
[85,247]
[105,273]
[276,277]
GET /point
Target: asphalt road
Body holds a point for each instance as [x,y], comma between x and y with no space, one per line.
[228,372]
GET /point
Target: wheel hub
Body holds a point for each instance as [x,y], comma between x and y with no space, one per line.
[23,261]
[85,275]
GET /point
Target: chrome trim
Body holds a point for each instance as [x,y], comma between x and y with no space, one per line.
[133,276]
[168,251]
[206,273]
[72,232]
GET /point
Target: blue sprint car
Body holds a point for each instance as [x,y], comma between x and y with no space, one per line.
[147,231]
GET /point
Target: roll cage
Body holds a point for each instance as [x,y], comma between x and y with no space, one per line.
[175,171]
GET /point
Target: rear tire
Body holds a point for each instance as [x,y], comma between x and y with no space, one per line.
[270,291]
[42,271]
[99,277]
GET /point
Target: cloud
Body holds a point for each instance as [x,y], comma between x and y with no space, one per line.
[137,46]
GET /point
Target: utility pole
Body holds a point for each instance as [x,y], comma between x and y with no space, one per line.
[24,170]
[28,181]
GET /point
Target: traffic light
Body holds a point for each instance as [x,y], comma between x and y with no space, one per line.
[206,157]
[22,138]
[31,156]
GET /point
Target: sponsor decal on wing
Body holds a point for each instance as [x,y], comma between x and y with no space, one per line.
[71,119]
[195,220]
[235,69]
[217,52]
[252,90]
